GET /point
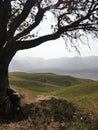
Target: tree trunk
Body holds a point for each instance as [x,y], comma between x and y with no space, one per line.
[5,104]
[9,99]
[4,83]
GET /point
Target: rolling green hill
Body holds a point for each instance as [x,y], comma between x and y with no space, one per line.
[49,78]
[82,93]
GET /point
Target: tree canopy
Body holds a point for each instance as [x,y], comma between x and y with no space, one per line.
[18,19]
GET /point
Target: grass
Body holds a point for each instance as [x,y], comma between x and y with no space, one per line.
[76,90]
[81,92]
[48,78]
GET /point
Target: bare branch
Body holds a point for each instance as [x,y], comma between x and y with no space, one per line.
[73,26]
[70,16]
[20,18]
[20,45]
[38,19]
[5,11]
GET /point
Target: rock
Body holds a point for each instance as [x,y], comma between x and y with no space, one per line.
[14,96]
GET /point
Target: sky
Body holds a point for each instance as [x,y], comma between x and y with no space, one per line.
[57,49]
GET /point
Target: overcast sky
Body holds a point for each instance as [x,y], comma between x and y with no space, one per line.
[56,48]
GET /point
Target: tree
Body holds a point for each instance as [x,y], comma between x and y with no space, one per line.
[19,18]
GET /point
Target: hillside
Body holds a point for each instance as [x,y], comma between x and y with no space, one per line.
[72,104]
[49,78]
[43,82]
[74,89]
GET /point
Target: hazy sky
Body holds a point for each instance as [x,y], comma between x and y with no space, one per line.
[57,48]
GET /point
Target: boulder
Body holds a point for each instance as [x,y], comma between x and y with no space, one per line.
[14,96]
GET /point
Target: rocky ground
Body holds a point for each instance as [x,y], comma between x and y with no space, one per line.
[48,113]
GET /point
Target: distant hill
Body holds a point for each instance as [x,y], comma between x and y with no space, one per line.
[44,82]
[82,67]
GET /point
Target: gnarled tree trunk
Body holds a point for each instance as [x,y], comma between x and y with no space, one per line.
[5,104]
[4,82]
[9,99]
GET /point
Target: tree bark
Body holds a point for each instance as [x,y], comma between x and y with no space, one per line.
[4,82]
[9,99]
[5,103]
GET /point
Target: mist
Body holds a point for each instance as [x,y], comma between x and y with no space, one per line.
[82,67]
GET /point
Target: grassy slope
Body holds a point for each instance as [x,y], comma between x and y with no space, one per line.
[45,79]
[83,93]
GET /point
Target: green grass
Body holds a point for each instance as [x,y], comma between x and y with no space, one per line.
[48,78]
[84,95]
[81,92]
